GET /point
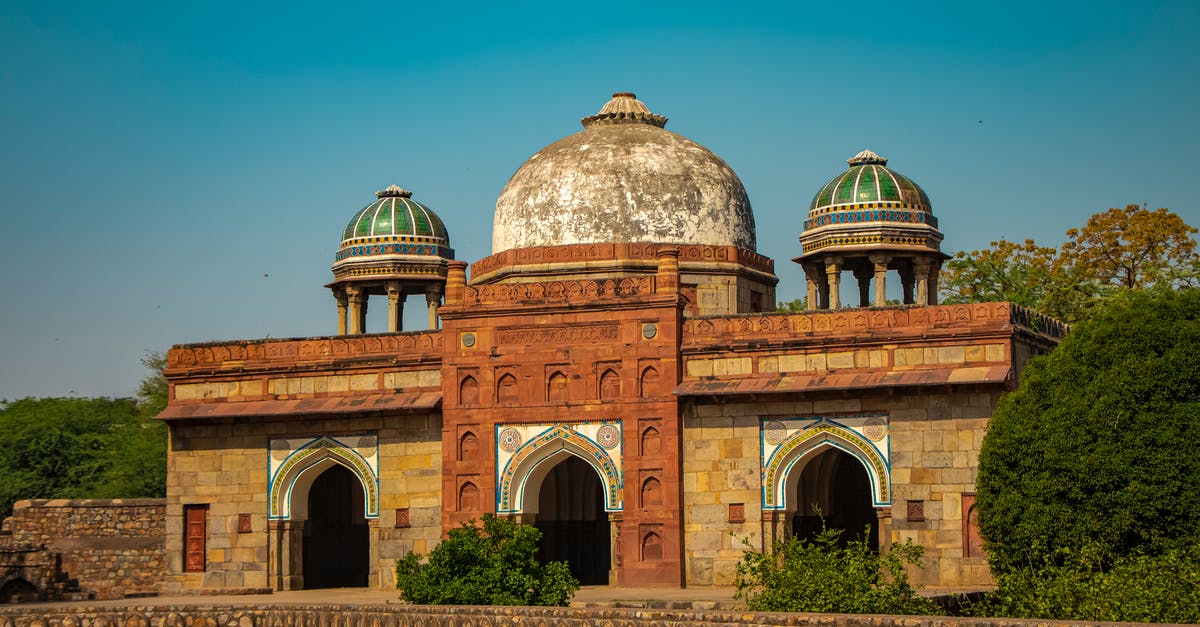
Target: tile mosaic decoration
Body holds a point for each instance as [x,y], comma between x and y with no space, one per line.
[520,448]
[289,458]
[785,441]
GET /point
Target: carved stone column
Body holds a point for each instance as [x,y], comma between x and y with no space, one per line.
[815,279]
[833,274]
[880,263]
[934,272]
[339,294]
[667,277]
[614,546]
[777,526]
[395,297]
[456,282]
[287,538]
[921,270]
[433,298]
[357,311]
[907,281]
[863,274]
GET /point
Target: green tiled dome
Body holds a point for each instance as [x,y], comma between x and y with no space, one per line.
[870,181]
[870,207]
[395,224]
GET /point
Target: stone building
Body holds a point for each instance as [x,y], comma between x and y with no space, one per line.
[613,373]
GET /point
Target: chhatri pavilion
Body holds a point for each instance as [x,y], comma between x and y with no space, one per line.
[613,373]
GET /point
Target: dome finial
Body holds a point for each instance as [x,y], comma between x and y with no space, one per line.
[624,108]
[866,157]
[393,191]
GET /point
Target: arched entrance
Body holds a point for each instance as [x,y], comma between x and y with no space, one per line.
[835,485]
[573,521]
[336,539]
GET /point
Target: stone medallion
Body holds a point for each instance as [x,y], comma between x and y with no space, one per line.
[608,436]
[510,439]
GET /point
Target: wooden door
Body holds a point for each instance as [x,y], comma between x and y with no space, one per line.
[195,530]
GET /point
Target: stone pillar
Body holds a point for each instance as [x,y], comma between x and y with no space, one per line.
[667,279]
[906,282]
[880,263]
[339,294]
[288,562]
[614,547]
[433,298]
[833,274]
[815,278]
[375,575]
[456,282]
[357,311]
[777,526]
[395,297]
[921,270]
[934,272]
[884,516]
[863,274]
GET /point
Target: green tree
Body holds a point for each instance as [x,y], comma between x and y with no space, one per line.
[1130,248]
[85,447]
[1133,248]
[492,564]
[826,575]
[799,304]
[1094,450]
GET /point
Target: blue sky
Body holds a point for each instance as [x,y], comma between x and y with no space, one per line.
[158,159]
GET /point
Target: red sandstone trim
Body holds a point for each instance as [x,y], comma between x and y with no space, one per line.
[572,253]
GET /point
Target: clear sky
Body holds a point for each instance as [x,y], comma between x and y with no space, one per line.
[181,171]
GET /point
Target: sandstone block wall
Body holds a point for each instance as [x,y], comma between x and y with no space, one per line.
[114,548]
[935,439]
[223,464]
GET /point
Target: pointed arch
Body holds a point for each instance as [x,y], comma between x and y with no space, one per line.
[651,441]
[781,472]
[506,388]
[652,493]
[468,391]
[468,446]
[649,382]
[556,387]
[287,493]
[610,385]
[519,479]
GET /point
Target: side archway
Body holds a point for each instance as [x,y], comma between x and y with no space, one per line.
[782,470]
[287,494]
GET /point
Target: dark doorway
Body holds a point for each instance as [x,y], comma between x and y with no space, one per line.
[835,485]
[573,522]
[336,539]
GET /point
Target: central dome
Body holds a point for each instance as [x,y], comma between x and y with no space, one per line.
[624,178]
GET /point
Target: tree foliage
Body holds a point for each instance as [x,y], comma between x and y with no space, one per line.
[799,304]
[495,564]
[826,575]
[1130,248]
[85,447]
[1095,449]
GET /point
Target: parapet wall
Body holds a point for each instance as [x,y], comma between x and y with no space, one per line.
[113,548]
[400,615]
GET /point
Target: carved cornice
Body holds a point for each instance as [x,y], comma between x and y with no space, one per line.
[280,353]
[574,253]
[866,323]
[502,293]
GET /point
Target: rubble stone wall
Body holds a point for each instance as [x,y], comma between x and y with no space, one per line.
[113,548]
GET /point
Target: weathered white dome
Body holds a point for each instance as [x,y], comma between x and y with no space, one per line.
[624,178]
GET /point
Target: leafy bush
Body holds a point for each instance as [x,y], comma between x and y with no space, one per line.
[1078,586]
[493,565]
[823,575]
[1094,450]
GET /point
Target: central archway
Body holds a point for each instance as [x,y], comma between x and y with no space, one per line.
[573,521]
[336,537]
[835,485]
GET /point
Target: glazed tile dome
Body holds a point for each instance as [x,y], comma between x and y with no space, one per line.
[870,206]
[394,225]
[624,178]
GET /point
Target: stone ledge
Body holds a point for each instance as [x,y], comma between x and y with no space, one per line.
[228,615]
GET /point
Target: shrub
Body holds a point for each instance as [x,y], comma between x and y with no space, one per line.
[1077,585]
[493,565]
[824,575]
